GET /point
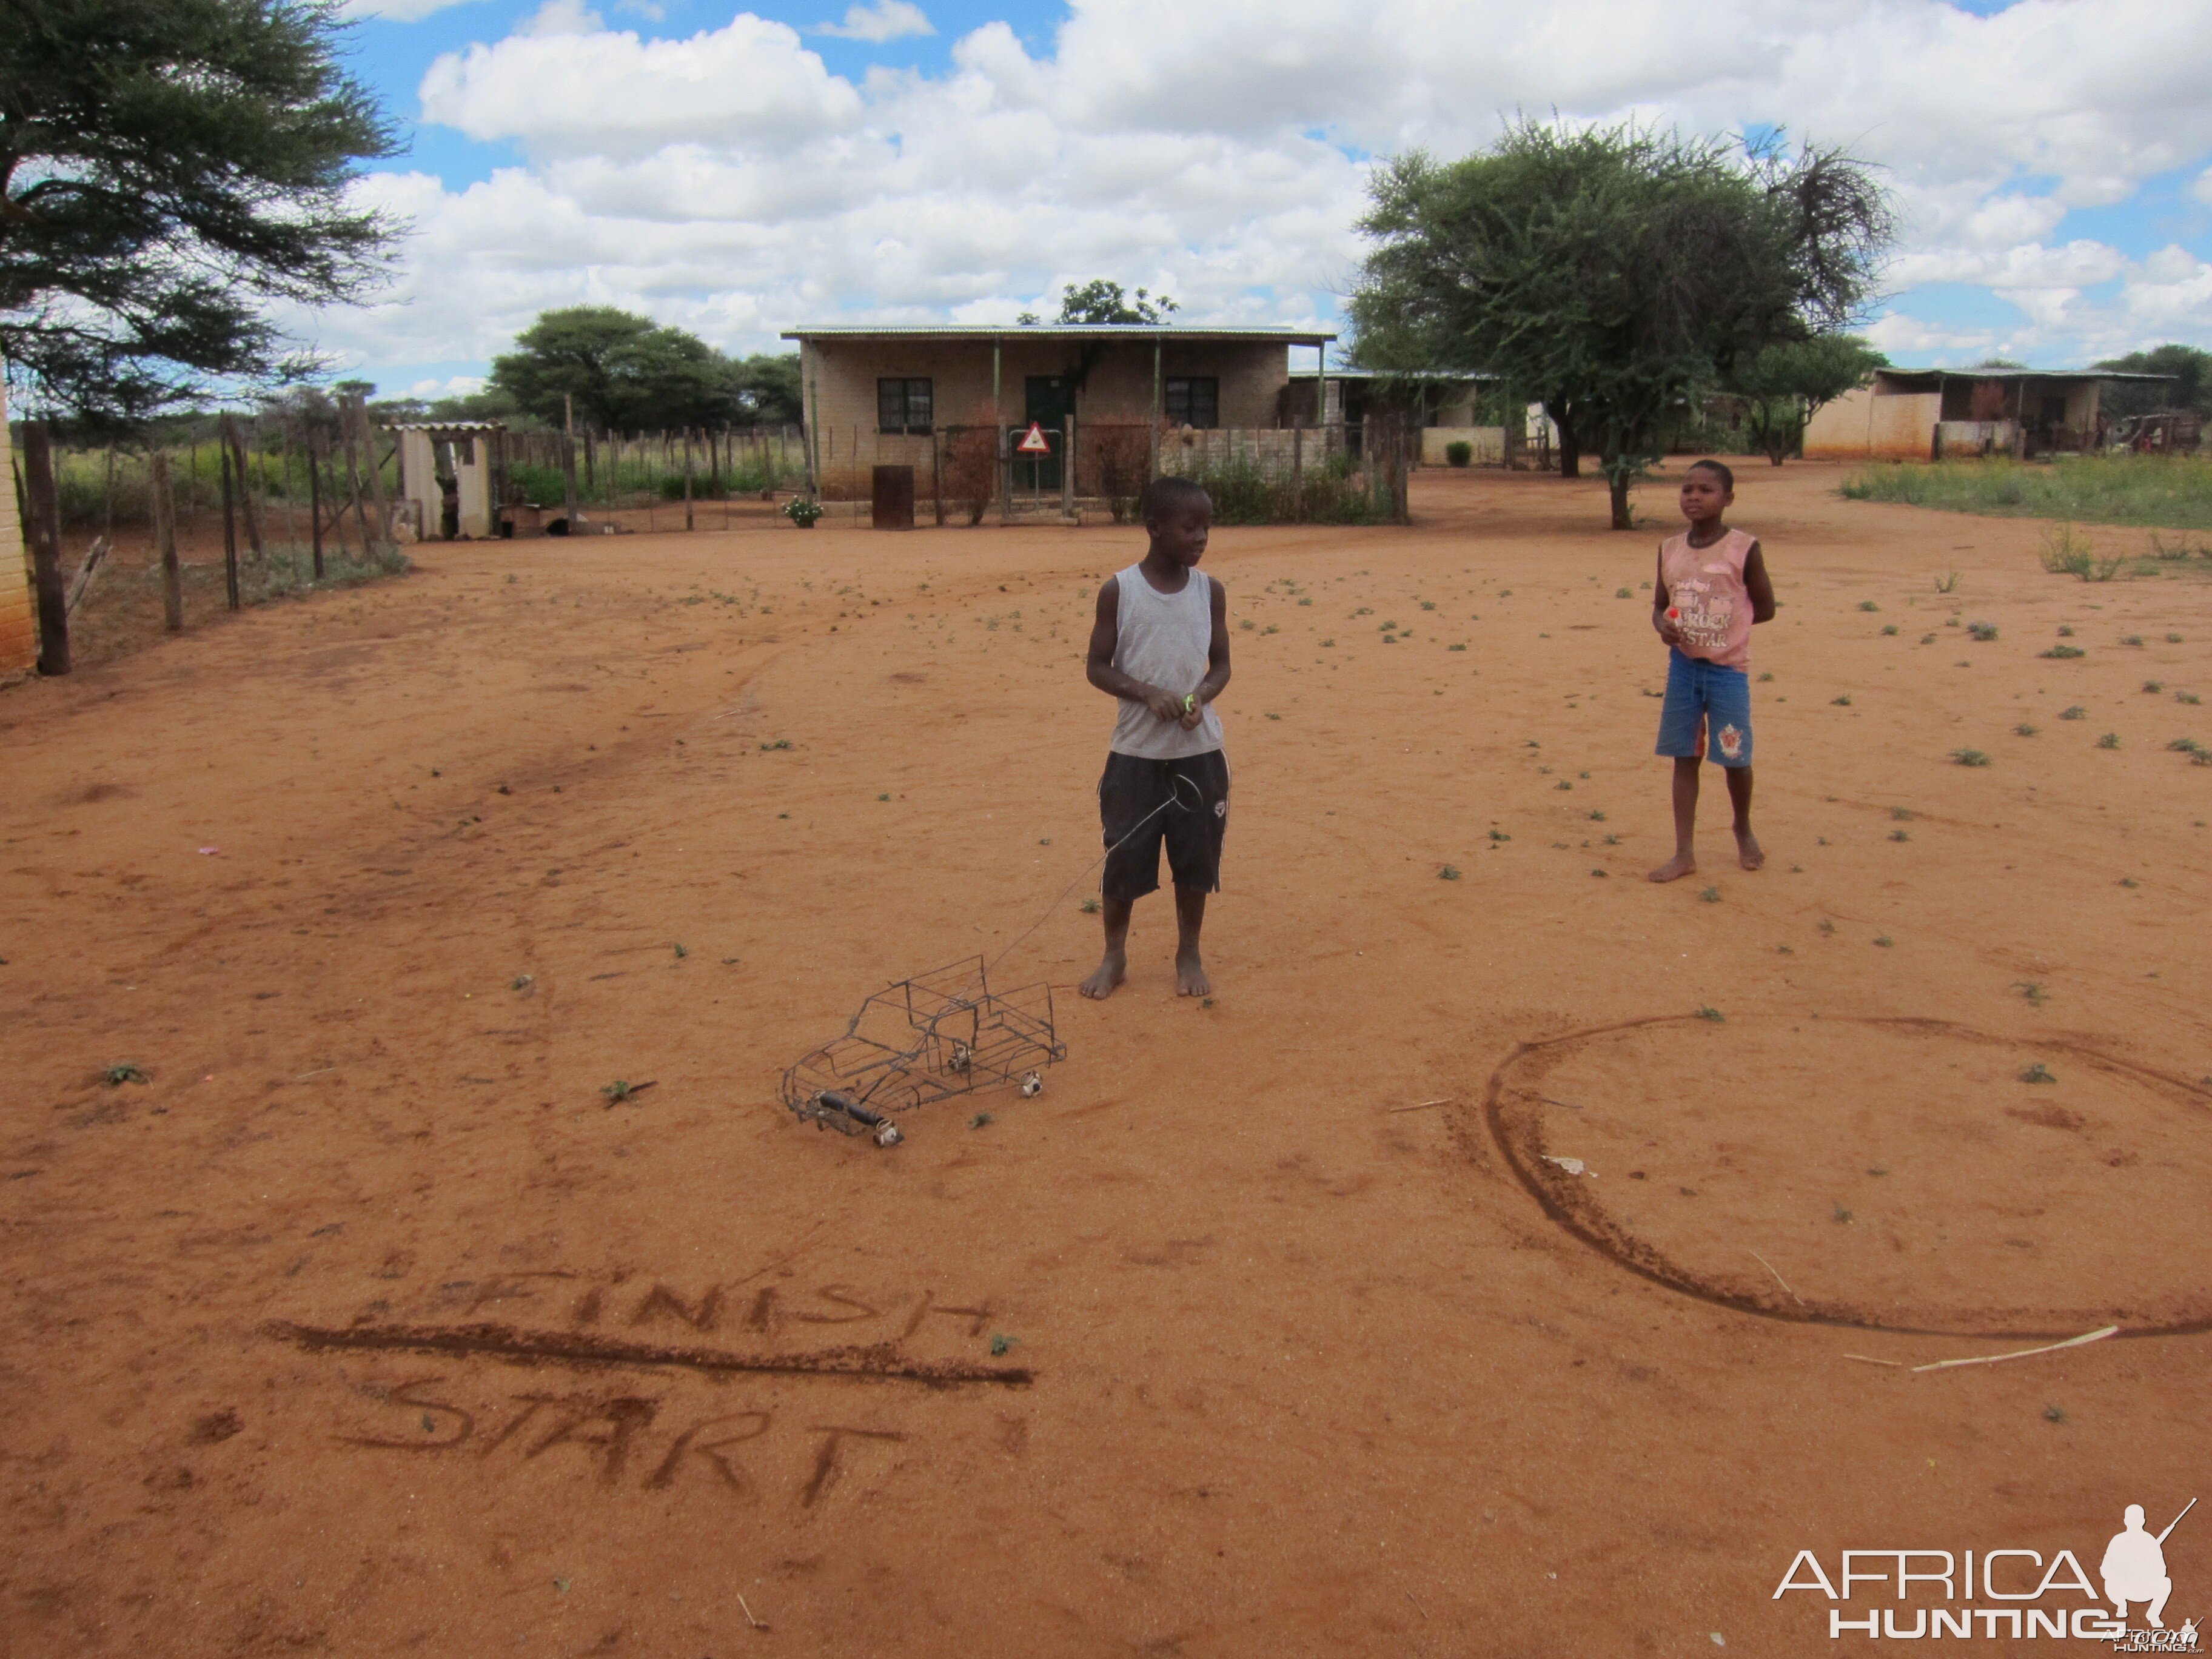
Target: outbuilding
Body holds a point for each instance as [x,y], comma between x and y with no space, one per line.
[1930,414]
[19,610]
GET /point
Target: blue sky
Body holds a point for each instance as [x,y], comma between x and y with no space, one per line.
[735,172]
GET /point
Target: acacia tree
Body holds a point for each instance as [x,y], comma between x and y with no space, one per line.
[627,374]
[167,169]
[1615,272]
[1788,382]
[1100,301]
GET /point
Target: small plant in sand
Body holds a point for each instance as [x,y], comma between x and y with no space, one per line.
[2110,740]
[1844,702]
[2063,652]
[1901,834]
[2064,632]
[1947,582]
[1969,757]
[1090,906]
[2024,730]
[1449,872]
[2038,1072]
[118,1075]
[2184,746]
[1902,814]
[1884,940]
[2153,686]
[1888,630]
[1712,895]
[2130,639]
[1712,1014]
[1499,834]
[1624,594]
[2031,989]
[2067,552]
[2076,713]
[1982,630]
[1868,605]
[780,742]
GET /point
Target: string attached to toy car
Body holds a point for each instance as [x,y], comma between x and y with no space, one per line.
[1175,798]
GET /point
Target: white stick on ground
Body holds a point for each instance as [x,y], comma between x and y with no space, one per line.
[2022,1353]
[1779,1278]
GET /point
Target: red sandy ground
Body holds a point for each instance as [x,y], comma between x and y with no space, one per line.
[1311,1368]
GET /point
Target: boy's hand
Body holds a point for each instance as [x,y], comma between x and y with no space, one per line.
[1189,712]
[1164,704]
[1664,622]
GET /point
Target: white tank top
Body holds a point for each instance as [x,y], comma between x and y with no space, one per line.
[1163,640]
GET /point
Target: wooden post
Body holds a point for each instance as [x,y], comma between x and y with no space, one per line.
[1159,393]
[936,474]
[688,524]
[236,447]
[44,523]
[1067,465]
[568,458]
[1005,479]
[375,470]
[229,532]
[165,542]
[315,500]
[352,478]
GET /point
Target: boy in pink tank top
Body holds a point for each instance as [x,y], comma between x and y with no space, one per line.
[1712,587]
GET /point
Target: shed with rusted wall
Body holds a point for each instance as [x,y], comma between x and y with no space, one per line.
[19,607]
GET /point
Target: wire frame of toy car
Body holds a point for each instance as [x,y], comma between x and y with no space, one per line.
[925,1039]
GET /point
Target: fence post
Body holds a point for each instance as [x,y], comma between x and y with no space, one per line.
[353,478]
[936,474]
[1067,465]
[229,532]
[569,460]
[165,544]
[375,470]
[1005,478]
[234,447]
[688,523]
[45,525]
[314,499]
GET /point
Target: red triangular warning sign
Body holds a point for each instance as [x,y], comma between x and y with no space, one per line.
[1034,442]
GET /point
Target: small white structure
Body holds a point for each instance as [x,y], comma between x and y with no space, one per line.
[445,473]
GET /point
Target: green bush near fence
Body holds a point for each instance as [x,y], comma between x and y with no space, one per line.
[2171,491]
[1332,493]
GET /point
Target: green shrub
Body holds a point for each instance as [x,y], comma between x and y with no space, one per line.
[1459,452]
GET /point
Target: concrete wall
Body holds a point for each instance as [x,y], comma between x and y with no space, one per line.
[1489,443]
[1871,425]
[423,503]
[839,376]
[19,610]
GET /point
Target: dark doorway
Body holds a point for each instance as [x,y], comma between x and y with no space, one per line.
[1048,401]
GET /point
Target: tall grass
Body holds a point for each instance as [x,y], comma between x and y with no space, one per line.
[2175,492]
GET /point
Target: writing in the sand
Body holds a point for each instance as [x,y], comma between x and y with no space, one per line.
[615,1440]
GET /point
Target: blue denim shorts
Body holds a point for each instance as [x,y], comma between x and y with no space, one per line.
[1707,712]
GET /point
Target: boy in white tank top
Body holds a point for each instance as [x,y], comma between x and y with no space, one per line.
[1712,587]
[1160,645]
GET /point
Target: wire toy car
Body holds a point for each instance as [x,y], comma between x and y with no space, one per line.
[925,1039]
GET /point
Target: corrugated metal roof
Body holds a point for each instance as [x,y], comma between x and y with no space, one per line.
[1410,375]
[1055,331]
[2025,373]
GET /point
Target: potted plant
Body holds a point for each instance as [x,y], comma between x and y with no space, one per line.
[802,511]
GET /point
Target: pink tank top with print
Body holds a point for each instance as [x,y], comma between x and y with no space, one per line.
[1704,585]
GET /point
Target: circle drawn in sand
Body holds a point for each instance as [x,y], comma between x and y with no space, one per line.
[1892,1174]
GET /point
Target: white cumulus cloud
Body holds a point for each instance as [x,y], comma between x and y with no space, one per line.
[887,20]
[729,182]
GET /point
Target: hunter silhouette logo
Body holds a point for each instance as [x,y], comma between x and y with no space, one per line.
[2133,1567]
[2021,1594]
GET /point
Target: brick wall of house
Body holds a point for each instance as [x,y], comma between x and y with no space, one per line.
[18,611]
[840,376]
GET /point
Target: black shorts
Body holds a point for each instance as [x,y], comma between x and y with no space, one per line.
[1142,802]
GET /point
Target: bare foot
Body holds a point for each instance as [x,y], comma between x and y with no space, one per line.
[1748,851]
[1190,977]
[1681,864]
[1109,973]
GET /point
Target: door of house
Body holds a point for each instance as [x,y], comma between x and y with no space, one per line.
[1049,400]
